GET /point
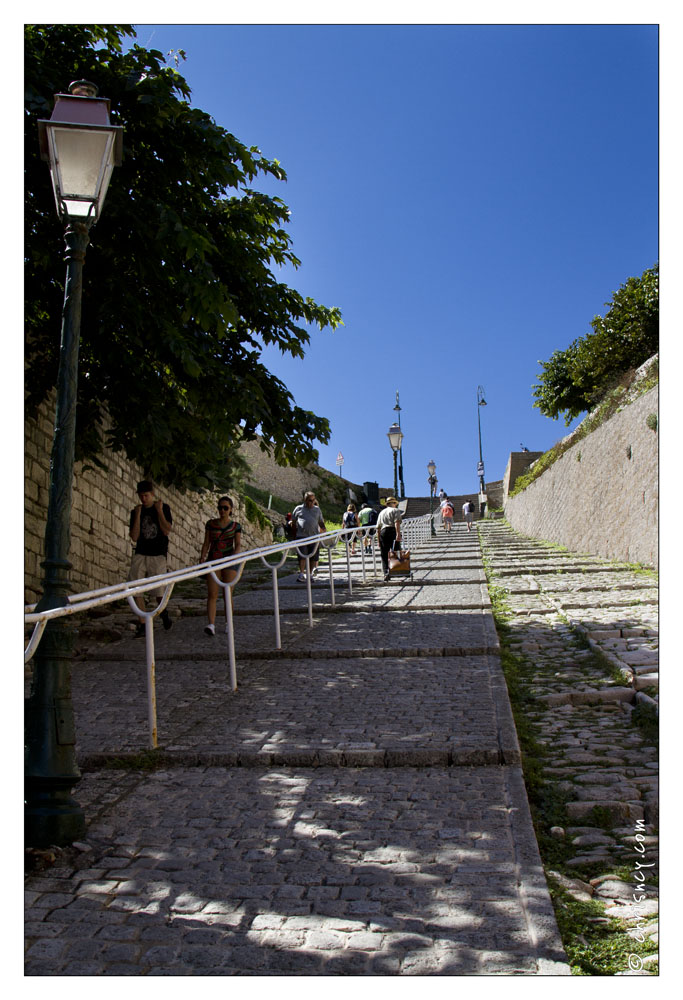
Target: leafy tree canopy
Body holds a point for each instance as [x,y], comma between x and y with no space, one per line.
[576,379]
[179,297]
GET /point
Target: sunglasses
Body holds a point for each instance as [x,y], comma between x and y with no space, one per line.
[224,508]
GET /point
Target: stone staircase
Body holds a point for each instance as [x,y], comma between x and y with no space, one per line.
[358,806]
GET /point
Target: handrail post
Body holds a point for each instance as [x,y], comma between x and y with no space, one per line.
[151,682]
[227,597]
[309,590]
[348,566]
[276,593]
[276,609]
[329,564]
[148,618]
[226,587]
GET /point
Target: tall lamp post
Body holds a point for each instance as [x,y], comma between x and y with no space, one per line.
[395,436]
[431,469]
[397,408]
[480,468]
[82,148]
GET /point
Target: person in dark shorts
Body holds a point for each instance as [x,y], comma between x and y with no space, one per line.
[223,537]
[388,531]
[150,525]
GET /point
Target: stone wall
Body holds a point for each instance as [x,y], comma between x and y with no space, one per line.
[518,463]
[601,496]
[102,502]
[494,494]
[290,484]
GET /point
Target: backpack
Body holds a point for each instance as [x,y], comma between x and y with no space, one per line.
[470,507]
[290,528]
[349,519]
[368,516]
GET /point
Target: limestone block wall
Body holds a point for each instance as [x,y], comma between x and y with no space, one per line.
[601,496]
[290,484]
[518,463]
[494,493]
[102,502]
[284,482]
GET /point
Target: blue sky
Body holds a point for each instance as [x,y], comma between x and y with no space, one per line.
[469,196]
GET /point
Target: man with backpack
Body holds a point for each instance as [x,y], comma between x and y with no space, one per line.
[350,521]
[468,513]
[367,515]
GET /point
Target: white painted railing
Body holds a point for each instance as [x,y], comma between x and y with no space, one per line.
[414,531]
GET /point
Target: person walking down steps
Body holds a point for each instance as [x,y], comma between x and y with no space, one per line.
[150,525]
[223,537]
[309,521]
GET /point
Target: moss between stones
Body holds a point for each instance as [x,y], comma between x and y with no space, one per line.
[595,944]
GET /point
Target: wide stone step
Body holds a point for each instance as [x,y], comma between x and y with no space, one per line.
[305,712]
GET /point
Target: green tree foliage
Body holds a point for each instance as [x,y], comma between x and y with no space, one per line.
[576,379]
[179,294]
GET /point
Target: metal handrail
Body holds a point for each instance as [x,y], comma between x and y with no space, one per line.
[414,531]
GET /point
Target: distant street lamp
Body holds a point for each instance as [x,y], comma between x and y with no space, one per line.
[480,468]
[82,148]
[397,408]
[431,469]
[395,436]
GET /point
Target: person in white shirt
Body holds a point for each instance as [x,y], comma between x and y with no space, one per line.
[388,531]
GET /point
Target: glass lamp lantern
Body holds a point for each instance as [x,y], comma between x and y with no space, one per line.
[82,148]
[395,436]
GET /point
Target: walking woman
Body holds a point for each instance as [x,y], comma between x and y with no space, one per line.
[223,538]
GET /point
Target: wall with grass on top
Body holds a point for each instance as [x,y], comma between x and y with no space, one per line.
[601,495]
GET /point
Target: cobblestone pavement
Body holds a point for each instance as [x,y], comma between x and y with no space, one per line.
[355,808]
[563,609]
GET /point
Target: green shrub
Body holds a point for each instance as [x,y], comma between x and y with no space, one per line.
[256,515]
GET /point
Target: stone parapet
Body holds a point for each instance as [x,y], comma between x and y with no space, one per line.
[601,496]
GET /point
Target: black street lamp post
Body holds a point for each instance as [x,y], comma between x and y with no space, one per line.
[82,148]
[400,451]
[480,468]
[431,469]
[395,435]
